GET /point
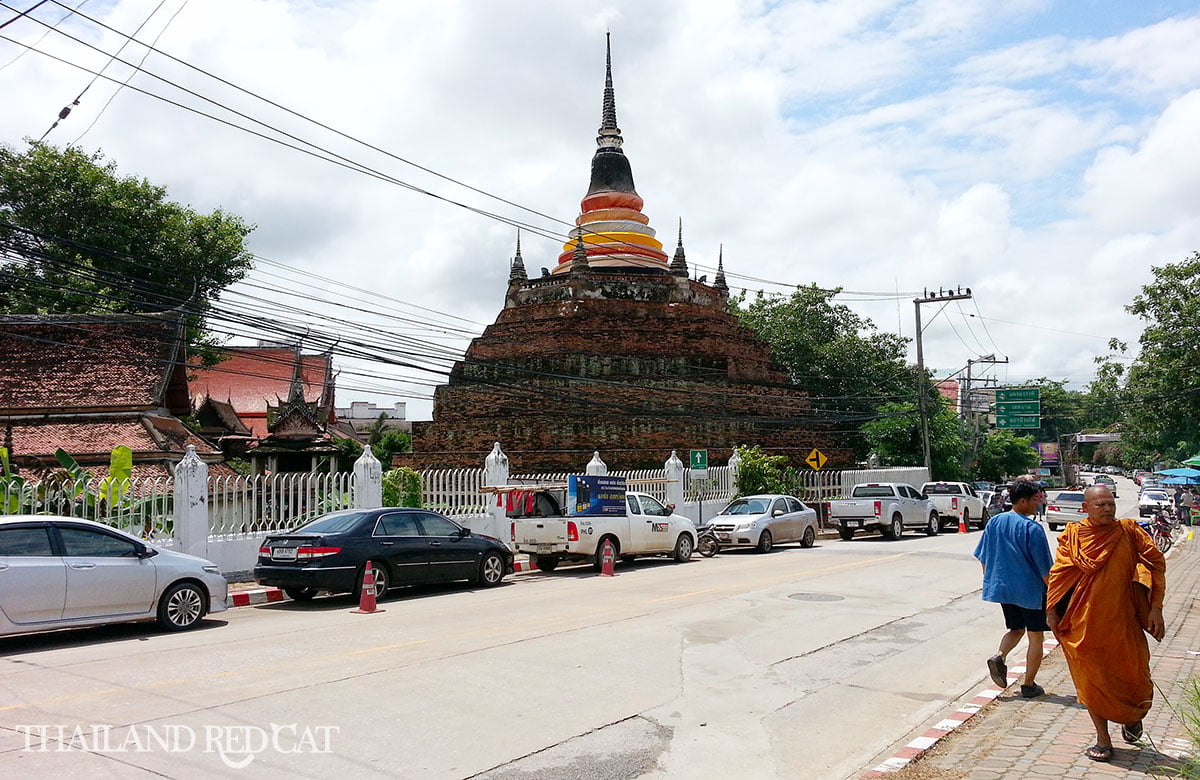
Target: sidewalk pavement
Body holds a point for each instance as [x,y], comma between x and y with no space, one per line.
[995,735]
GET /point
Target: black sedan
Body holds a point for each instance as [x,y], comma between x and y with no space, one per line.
[404,546]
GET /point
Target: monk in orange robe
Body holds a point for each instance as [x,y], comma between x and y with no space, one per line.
[1105,589]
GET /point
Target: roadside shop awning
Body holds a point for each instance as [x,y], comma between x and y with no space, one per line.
[1193,461]
[1185,472]
[1181,481]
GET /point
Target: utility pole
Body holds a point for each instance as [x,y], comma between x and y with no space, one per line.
[968,407]
[922,402]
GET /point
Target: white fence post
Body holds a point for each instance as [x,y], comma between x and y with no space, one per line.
[495,474]
[673,469]
[191,504]
[368,480]
[596,467]
[735,465]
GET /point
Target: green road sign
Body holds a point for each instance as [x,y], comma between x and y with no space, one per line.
[1018,394]
[1018,421]
[1018,407]
[698,461]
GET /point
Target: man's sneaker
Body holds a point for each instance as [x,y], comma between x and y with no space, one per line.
[998,670]
[1032,691]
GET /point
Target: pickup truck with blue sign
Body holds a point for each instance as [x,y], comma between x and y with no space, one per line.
[571,523]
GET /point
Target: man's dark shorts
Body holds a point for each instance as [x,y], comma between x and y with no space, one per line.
[1016,618]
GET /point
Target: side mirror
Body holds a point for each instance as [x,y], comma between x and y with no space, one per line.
[777,513]
[146,552]
[670,507]
[463,533]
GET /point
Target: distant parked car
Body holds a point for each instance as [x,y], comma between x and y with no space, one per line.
[404,547]
[63,572]
[1152,499]
[983,485]
[1066,507]
[765,520]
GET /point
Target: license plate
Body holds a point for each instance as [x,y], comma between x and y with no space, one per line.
[853,524]
[545,548]
[283,553]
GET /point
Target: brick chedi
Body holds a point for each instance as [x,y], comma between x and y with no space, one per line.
[616,350]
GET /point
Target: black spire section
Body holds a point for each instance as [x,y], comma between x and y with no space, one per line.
[610,168]
[517,273]
[719,280]
[679,262]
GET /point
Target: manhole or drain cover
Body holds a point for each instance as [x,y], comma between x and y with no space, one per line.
[816,597]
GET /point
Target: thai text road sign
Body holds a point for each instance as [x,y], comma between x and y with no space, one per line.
[1018,407]
[698,461]
[816,459]
[1018,394]
[1018,420]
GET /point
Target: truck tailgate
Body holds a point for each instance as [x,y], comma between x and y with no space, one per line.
[853,507]
[543,534]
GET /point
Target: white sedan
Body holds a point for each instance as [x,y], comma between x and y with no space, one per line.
[763,521]
[1152,499]
[63,572]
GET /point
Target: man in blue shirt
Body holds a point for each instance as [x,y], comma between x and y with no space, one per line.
[1016,562]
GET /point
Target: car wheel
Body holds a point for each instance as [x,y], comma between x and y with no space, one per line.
[683,548]
[846,533]
[765,541]
[896,528]
[300,594]
[181,606]
[379,573]
[491,570]
[966,519]
[546,563]
[983,520]
[598,560]
[809,538]
[1054,526]
[935,525]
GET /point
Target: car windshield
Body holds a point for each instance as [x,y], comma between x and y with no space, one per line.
[941,489]
[1069,497]
[1105,480]
[747,506]
[872,491]
[1155,495]
[336,523]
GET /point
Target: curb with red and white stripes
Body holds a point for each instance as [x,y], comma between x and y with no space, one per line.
[265,595]
[917,747]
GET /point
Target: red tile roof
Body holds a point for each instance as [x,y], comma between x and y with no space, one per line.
[93,439]
[96,362]
[253,377]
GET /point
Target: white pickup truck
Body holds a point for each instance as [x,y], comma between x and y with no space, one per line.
[647,528]
[957,501]
[884,507]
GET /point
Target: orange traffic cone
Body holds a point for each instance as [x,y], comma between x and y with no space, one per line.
[962,525]
[608,558]
[366,602]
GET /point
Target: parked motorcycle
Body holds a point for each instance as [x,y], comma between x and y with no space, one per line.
[706,541]
[1161,528]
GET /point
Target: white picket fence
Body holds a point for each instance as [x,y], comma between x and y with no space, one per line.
[264,503]
[143,506]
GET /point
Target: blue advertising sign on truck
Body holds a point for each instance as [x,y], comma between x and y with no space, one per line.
[593,496]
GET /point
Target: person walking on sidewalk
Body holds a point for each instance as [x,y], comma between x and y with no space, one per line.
[1105,589]
[1016,559]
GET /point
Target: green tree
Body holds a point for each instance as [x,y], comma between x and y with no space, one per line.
[759,472]
[1004,454]
[348,452]
[402,487]
[1162,389]
[390,443]
[895,437]
[847,366]
[80,238]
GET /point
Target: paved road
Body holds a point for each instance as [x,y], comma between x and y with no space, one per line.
[800,663]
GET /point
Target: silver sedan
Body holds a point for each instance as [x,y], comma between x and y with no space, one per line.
[62,572]
[764,521]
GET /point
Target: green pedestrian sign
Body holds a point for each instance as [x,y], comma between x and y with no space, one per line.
[698,461]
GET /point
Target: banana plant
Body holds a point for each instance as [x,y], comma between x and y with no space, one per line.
[12,487]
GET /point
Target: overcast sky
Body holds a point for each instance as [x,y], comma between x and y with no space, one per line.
[1043,154]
